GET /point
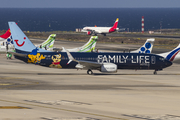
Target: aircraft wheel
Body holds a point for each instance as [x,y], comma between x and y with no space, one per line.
[89,72]
[94,33]
[155,72]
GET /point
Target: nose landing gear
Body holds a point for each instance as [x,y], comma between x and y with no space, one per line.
[155,72]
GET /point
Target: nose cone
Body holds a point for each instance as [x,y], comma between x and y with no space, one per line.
[167,63]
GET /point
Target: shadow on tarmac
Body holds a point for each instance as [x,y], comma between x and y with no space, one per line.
[94,74]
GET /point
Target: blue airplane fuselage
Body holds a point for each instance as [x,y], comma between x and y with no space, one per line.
[122,60]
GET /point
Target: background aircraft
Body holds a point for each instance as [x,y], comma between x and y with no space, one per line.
[5,35]
[101,30]
[88,47]
[146,48]
[48,44]
[104,62]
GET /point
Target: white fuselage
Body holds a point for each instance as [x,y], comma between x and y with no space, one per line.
[97,29]
[4,48]
[2,39]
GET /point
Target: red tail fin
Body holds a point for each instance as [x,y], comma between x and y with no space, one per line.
[114,26]
[116,23]
[6,35]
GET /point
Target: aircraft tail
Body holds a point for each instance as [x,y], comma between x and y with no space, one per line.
[172,55]
[90,45]
[21,42]
[48,44]
[6,35]
[114,28]
[146,48]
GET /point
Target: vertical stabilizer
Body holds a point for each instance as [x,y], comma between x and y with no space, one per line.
[114,28]
[146,48]
[172,55]
[116,23]
[48,43]
[20,40]
[90,45]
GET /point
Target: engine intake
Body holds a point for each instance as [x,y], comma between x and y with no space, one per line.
[108,67]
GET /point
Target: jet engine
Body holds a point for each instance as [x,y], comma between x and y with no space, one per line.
[89,33]
[108,67]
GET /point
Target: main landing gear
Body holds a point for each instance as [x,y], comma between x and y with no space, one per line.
[155,72]
[104,34]
[89,71]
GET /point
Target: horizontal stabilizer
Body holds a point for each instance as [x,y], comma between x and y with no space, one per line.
[18,54]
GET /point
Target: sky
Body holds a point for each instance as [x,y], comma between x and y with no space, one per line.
[89,3]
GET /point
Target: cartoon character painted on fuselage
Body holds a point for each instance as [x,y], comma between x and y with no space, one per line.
[56,61]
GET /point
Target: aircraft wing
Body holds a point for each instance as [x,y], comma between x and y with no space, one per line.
[81,63]
[17,54]
[89,64]
[97,31]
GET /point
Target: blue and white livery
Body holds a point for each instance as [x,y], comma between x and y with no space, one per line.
[146,48]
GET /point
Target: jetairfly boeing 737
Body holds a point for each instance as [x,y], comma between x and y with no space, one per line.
[101,30]
[146,48]
[104,62]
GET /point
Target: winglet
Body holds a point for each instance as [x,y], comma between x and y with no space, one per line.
[71,58]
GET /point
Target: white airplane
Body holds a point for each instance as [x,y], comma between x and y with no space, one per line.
[101,30]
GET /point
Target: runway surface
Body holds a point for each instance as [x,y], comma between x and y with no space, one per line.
[32,92]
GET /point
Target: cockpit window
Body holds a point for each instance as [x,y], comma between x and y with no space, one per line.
[162,59]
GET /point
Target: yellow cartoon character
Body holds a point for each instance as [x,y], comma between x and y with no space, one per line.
[56,61]
[35,58]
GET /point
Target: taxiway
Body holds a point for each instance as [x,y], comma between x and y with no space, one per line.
[32,92]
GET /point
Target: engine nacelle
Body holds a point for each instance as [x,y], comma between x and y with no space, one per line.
[79,66]
[108,67]
[89,33]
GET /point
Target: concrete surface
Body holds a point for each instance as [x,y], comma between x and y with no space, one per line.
[32,92]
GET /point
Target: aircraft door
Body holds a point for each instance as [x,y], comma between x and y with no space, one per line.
[153,59]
